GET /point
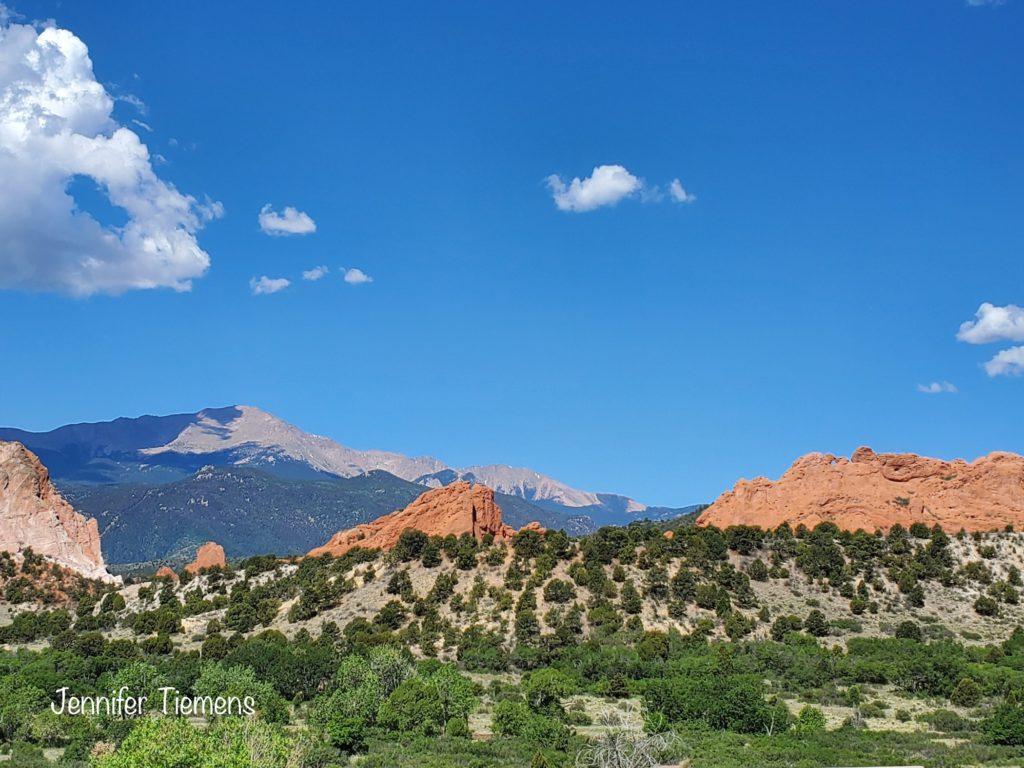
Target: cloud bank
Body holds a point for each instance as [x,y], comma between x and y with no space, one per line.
[290,221]
[56,126]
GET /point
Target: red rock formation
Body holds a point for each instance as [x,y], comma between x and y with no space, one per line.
[164,572]
[210,555]
[877,490]
[33,514]
[457,508]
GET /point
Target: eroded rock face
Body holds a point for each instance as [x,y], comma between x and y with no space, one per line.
[33,514]
[166,572]
[457,508]
[877,490]
[210,555]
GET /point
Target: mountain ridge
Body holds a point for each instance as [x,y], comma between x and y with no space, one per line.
[165,448]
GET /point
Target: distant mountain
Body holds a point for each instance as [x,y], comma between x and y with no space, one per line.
[160,449]
[249,511]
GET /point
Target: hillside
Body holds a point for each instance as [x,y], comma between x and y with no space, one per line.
[709,648]
[251,512]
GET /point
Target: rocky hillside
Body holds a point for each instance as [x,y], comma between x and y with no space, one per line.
[34,516]
[878,490]
[490,601]
[252,512]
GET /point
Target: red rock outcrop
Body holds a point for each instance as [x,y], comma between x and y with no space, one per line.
[165,572]
[210,555]
[457,508]
[877,490]
[33,514]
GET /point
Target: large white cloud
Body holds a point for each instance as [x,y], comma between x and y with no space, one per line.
[290,221]
[1009,362]
[607,185]
[57,125]
[993,323]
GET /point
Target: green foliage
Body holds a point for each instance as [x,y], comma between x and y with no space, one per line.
[734,702]
[174,743]
[809,720]
[1006,724]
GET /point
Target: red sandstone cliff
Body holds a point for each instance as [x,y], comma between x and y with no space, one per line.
[33,514]
[210,555]
[457,508]
[877,490]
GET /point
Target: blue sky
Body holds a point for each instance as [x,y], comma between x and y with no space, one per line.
[857,172]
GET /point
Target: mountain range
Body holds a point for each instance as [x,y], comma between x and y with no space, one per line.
[160,485]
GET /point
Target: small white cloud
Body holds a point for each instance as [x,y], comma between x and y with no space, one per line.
[679,193]
[607,185]
[357,277]
[142,125]
[133,100]
[315,273]
[1009,362]
[56,125]
[981,3]
[267,285]
[937,388]
[291,221]
[993,324]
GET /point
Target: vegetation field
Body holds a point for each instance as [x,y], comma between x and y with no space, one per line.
[639,646]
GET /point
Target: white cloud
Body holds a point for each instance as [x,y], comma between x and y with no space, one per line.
[356,277]
[607,185]
[144,126]
[1009,362]
[993,324]
[267,285]
[980,3]
[678,193]
[937,387]
[56,125]
[315,273]
[289,222]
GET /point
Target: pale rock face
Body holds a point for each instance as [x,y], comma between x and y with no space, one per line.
[33,514]
[455,509]
[877,490]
